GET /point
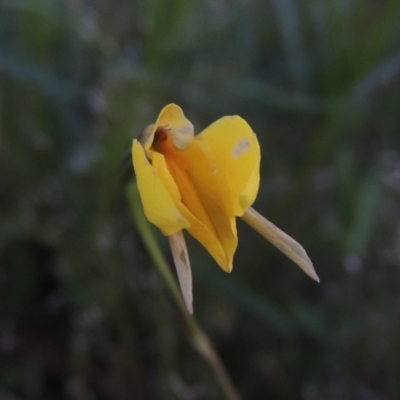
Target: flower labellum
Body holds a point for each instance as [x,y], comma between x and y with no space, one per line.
[202,183]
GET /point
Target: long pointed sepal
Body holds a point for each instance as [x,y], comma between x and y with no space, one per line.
[183,269]
[281,240]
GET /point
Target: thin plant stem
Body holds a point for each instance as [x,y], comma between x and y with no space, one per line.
[198,338]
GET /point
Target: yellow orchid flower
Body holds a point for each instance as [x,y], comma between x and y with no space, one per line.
[202,183]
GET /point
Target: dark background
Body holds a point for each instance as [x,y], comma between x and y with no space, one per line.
[83,313]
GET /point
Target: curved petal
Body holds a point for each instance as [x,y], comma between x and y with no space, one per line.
[237,156]
[202,230]
[173,120]
[212,190]
[159,206]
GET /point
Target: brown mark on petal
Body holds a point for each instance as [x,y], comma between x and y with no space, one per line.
[241,147]
[160,136]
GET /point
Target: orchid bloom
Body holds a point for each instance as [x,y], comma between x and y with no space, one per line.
[202,183]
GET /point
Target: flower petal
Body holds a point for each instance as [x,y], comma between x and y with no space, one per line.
[201,230]
[172,119]
[237,157]
[212,190]
[159,207]
[183,269]
[281,240]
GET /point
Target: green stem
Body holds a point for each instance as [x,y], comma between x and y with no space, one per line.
[197,336]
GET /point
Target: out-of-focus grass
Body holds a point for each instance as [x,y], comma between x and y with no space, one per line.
[82,312]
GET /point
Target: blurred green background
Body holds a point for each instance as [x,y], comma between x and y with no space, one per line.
[83,313]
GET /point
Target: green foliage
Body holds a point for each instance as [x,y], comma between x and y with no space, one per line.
[83,313]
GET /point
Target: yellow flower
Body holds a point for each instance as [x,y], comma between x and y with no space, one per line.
[202,183]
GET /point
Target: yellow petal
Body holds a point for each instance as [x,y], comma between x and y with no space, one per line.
[200,229]
[159,207]
[172,119]
[281,240]
[212,190]
[183,269]
[237,156]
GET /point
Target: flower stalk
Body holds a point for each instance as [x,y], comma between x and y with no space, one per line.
[197,337]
